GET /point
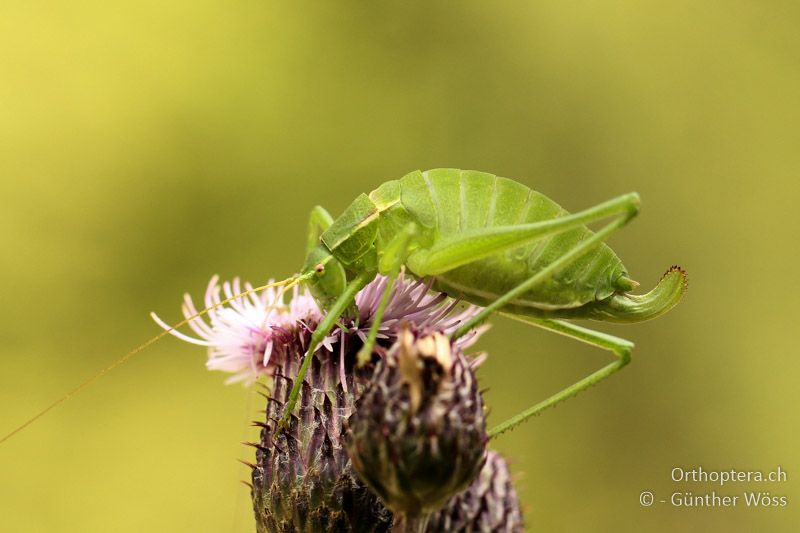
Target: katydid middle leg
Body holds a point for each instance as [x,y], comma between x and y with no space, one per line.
[318,221]
[393,259]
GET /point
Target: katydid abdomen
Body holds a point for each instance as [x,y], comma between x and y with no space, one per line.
[448,203]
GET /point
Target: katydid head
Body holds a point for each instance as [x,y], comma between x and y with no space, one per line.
[346,244]
[327,277]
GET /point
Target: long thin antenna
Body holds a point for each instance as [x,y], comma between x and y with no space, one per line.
[129,355]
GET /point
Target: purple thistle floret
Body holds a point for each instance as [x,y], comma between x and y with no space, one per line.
[413,302]
[248,336]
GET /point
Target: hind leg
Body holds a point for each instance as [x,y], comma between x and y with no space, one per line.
[619,346]
[621,349]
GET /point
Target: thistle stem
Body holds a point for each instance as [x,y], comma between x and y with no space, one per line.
[404,523]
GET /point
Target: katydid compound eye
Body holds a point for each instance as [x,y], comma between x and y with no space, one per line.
[319,269]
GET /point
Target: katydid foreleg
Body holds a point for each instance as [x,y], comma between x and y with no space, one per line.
[319,334]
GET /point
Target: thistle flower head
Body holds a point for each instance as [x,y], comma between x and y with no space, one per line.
[249,335]
[303,477]
[490,503]
[418,433]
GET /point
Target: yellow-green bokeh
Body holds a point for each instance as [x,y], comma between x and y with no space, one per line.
[145,147]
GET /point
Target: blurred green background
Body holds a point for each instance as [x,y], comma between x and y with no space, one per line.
[145,147]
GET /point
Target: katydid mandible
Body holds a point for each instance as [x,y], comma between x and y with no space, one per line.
[488,240]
